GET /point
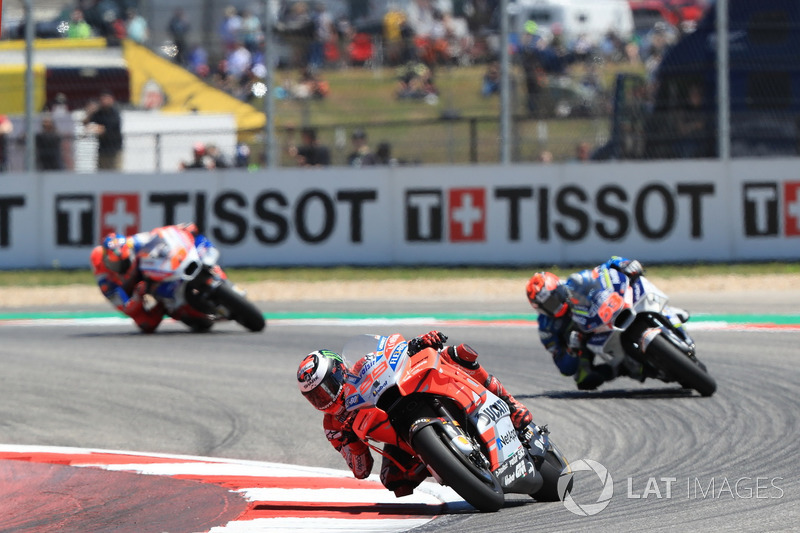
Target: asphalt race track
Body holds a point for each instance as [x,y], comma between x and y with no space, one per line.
[678,461]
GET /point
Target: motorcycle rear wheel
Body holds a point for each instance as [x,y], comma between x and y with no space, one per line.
[241,309]
[476,484]
[690,374]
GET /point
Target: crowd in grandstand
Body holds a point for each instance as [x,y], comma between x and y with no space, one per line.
[415,37]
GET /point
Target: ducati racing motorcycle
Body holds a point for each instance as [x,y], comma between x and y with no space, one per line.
[178,275]
[629,326]
[460,431]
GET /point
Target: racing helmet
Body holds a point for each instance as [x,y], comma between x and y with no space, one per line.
[117,254]
[321,378]
[547,294]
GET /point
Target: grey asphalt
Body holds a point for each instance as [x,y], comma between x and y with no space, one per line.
[230,393]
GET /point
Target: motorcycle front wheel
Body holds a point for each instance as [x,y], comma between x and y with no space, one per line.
[241,309]
[473,482]
[689,373]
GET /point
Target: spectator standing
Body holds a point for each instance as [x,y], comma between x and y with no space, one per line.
[6,128]
[198,61]
[251,30]
[692,136]
[200,159]
[136,27]
[48,146]
[297,28]
[362,154]
[230,28]
[239,62]
[535,79]
[491,79]
[310,153]
[324,33]
[78,27]
[583,152]
[383,155]
[105,121]
[178,29]
[216,155]
[242,157]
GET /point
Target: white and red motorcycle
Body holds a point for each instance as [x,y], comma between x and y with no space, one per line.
[191,285]
[629,326]
[459,430]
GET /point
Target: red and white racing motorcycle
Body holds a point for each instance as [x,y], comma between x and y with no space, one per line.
[459,430]
[191,285]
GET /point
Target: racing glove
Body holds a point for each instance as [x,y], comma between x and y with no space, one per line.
[432,339]
[630,267]
[575,342]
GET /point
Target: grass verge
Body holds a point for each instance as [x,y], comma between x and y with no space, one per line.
[34,278]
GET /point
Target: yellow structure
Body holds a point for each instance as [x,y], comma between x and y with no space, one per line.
[12,72]
[12,89]
[183,92]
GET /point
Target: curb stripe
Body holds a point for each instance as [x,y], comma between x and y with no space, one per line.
[282,497]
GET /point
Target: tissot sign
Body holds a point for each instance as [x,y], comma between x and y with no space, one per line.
[534,214]
[571,213]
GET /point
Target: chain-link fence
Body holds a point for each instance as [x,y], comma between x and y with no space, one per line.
[418,81]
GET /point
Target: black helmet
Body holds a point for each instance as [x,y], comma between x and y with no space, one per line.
[321,378]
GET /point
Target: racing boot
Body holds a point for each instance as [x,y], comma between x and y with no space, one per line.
[401,473]
[466,356]
[589,377]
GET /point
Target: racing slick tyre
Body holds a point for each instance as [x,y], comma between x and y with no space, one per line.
[472,481]
[551,472]
[241,309]
[688,372]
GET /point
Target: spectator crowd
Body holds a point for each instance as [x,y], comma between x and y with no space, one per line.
[416,37]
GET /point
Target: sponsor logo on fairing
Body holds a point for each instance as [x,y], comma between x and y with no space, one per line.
[399,350]
[507,438]
[352,401]
[495,411]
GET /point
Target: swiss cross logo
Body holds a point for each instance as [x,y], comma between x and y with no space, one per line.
[461,212]
[765,210]
[467,215]
[119,213]
[791,194]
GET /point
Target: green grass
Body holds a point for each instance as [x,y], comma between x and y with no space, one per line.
[32,278]
[366,98]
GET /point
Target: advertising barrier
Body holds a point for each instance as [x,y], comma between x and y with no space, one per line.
[747,210]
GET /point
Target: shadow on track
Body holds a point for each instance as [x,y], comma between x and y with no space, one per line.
[158,334]
[383,509]
[634,394]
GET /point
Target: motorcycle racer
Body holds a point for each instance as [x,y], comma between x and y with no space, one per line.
[115,266]
[549,296]
[321,378]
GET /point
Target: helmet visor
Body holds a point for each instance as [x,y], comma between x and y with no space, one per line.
[328,391]
[552,302]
